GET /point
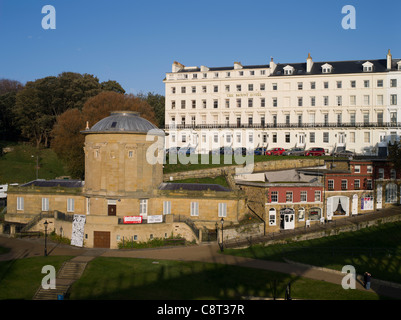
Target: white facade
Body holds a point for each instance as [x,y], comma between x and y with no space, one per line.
[342,104]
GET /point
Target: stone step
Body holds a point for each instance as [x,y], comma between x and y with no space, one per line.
[71,270]
[51,294]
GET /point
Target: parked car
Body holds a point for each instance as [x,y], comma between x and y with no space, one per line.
[173,150]
[294,152]
[242,151]
[259,151]
[226,150]
[315,152]
[186,150]
[275,152]
[344,153]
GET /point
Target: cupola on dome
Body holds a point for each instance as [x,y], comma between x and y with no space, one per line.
[124,122]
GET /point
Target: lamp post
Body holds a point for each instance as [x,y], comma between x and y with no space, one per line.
[45,224]
[222,235]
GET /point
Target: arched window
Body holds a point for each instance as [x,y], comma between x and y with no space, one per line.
[391,193]
[301,214]
[272,217]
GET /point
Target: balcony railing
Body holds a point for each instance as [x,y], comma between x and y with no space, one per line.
[286,125]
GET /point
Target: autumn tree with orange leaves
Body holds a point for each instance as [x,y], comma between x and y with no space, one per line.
[68,141]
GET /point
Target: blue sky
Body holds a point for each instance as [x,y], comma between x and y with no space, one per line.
[135,42]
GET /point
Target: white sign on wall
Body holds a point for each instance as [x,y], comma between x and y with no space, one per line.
[78,225]
[155,219]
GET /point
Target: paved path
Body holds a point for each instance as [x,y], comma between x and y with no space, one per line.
[22,248]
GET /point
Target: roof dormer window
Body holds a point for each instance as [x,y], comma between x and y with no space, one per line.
[288,70]
[327,68]
[367,66]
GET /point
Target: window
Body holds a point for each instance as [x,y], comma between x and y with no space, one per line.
[194,209]
[287,137]
[300,101]
[325,137]
[274,196]
[393,174]
[222,210]
[20,203]
[250,102]
[262,102]
[325,100]
[312,137]
[369,169]
[227,88]
[352,100]
[193,89]
[393,83]
[366,83]
[326,85]
[391,193]
[274,137]
[352,137]
[183,89]
[301,214]
[250,87]
[70,205]
[274,86]
[344,184]
[304,196]
[357,169]
[262,87]
[45,204]
[357,184]
[272,217]
[227,103]
[166,207]
[379,100]
[193,104]
[238,103]
[173,104]
[215,103]
[339,100]
[318,196]
[204,90]
[182,104]
[393,99]
[313,85]
[339,84]
[312,101]
[143,207]
[353,84]
[352,118]
[366,137]
[381,173]
[172,90]
[330,184]
[380,83]
[238,87]
[215,89]
[366,100]
[288,196]
[300,85]
[274,102]
[369,185]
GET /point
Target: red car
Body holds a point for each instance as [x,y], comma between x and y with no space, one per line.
[315,152]
[275,152]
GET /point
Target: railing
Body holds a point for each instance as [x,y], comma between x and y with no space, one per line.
[36,219]
[64,216]
[285,125]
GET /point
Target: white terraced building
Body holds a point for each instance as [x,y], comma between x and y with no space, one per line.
[353,105]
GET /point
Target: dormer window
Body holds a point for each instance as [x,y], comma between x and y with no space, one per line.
[367,66]
[288,70]
[327,68]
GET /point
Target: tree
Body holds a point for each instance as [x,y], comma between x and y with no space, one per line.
[68,141]
[394,154]
[8,92]
[41,101]
[112,85]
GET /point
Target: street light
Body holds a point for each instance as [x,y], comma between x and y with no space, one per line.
[45,224]
[222,235]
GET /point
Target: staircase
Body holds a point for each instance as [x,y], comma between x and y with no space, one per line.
[69,272]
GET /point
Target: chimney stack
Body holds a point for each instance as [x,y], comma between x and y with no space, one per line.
[389,60]
[309,63]
[272,65]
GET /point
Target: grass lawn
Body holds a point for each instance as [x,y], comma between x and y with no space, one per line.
[19,165]
[19,279]
[374,249]
[143,279]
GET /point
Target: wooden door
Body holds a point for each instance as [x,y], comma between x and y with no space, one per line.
[101,239]
[111,209]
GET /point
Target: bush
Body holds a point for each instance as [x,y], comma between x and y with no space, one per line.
[154,243]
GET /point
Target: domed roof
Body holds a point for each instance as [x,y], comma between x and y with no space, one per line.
[124,122]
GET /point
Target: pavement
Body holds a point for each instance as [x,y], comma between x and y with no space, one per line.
[23,248]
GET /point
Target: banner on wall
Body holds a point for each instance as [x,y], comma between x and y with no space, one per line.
[78,226]
[132,219]
[155,219]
